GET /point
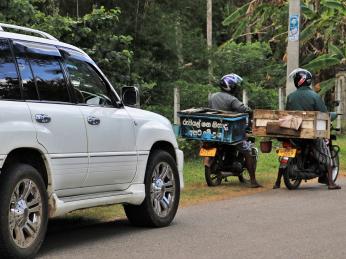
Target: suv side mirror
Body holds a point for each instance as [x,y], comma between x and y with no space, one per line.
[130,96]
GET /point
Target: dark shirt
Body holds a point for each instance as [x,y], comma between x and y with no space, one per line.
[227,102]
[305,99]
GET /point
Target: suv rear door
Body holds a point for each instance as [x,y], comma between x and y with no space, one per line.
[59,123]
[110,130]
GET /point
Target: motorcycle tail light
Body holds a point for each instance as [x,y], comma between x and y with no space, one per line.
[284,160]
[286,144]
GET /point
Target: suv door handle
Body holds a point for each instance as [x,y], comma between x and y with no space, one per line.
[42,118]
[93,120]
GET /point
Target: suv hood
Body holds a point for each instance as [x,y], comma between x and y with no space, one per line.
[142,116]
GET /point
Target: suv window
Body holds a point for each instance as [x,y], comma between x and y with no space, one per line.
[49,78]
[89,88]
[9,81]
[28,82]
[41,72]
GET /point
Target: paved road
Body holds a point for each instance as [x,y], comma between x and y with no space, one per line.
[307,223]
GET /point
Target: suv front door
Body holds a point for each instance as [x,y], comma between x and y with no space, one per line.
[59,123]
[110,130]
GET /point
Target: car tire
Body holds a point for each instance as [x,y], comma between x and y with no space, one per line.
[23,211]
[162,193]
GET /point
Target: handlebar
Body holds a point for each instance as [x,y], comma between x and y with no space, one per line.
[334,115]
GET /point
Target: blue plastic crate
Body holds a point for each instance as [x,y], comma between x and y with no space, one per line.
[214,126]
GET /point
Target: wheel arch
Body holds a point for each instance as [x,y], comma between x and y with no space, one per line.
[33,157]
[165,146]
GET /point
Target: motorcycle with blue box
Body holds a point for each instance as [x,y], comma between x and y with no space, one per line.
[219,132]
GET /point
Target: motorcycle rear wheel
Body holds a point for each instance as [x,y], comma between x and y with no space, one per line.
[291,184]
[244,177]
[336,164]
[212,178]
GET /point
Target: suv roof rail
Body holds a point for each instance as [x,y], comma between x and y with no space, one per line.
[20,28]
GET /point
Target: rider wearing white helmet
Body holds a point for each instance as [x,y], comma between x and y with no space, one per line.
[305,99]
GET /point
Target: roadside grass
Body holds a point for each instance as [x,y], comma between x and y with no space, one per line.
[196,190]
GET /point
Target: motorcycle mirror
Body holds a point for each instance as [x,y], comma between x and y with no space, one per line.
[336,103]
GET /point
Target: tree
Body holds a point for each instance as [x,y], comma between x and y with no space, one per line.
[96,33]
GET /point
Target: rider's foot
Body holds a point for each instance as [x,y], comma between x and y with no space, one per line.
[276,186]
[255,185]
[334,187]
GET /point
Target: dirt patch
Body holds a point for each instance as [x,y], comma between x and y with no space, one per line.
[202,194]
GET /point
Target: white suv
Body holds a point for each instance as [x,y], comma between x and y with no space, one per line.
[69,142]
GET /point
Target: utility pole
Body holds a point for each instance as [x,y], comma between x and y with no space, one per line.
[210,36]
[179,44]
[293,42]
[248,41]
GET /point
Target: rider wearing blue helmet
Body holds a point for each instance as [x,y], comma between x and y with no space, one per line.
[226,101]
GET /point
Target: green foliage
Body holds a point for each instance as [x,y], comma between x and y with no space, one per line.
[189,147]
[96,33]
[194,94]
[309,32]
[262,98]
[327,85]
[322,62]
[307,12]
[332,4]
[253,61]
[234,17]
[159,45]
[334,50]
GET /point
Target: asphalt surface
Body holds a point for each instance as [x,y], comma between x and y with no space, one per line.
[306,223]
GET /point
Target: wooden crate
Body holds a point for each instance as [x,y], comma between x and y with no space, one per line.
[315,124]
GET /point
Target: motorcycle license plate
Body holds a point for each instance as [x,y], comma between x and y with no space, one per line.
[285,152]
[207,152]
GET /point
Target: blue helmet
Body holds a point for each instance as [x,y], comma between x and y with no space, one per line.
[230,82]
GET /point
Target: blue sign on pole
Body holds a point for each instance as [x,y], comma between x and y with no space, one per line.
[293,32]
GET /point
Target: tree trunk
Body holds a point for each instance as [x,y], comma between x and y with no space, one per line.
[340,95]
[179,46]
[317,5]
[248,40]
[210,36]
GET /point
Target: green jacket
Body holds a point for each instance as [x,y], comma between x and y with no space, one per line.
[305,99]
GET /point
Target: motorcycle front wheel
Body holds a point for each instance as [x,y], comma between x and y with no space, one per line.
[213,178]
[291,184]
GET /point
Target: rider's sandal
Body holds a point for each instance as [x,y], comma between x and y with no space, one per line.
[255,185]
[334,187]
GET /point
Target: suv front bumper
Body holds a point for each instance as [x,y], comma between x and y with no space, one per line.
[180,165]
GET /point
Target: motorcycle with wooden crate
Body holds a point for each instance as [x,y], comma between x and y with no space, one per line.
[299,158]
[219,132]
